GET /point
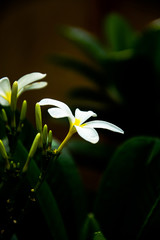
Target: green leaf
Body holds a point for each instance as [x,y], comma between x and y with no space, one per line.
[85,41]
[128,202]
[90,226]
[99,236]
[94,74]
[88,154]
[51,212]
[118,32]
[14,237]
[68,191]
[46,199]
[102,97]
[148,46]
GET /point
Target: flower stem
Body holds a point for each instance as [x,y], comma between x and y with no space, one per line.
[69,135]
[43,174]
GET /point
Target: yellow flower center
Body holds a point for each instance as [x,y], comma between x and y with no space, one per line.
[7,96]
[77,122]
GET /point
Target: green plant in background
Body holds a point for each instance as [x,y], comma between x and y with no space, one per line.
[124,69]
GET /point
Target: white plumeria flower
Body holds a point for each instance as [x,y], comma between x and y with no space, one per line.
[78,122]
[27,82]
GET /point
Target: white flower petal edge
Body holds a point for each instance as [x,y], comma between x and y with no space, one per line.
[5,91]
[4,85]
[59,104]
[29,78]
[104,125]
[57,113]
[32,86]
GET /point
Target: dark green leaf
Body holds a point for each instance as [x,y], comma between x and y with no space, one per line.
[119,33]
[99,236]
[68,191]
[93,73]
[90,226]
[120,55]
[104,91]
[51,212]
[102,96]
[46,200]
[88,154]
[86,42]
[14,237]
[128,202]
[148,46]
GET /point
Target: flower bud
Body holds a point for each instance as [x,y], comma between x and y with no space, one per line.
[4,154]
[32,151]
[45,133]
[14,96]
[4,116]
[3,150]
[34,145]
[23,111]
[38,116]
[50,138]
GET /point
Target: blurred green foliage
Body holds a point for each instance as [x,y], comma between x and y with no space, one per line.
[125,71]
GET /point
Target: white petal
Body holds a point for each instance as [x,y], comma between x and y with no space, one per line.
[61,105]
[5,86]
[33,86]
[57,113]
[84,115]
[4,102]
[29,78]
[105,125]
[89,134]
